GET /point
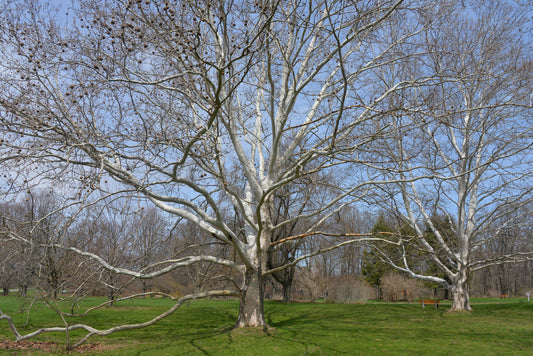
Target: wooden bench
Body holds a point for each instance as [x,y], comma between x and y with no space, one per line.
[425,302]
[503,296]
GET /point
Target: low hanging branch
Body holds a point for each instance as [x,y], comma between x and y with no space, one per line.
[349,234]
[163,267]
[510,258]
[93,331]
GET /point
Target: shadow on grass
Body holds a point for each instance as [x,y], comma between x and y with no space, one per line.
[336,328]
[206,328]
[200,333]
[305,325]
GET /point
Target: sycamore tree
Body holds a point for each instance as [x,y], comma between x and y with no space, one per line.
[463,145]
[203,109]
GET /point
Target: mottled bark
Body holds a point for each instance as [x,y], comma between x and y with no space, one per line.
[251,313]
[461,300]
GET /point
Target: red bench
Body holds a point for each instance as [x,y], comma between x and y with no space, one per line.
[425,302]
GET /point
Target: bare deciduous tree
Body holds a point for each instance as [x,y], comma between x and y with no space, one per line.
[463,145]
[199,108]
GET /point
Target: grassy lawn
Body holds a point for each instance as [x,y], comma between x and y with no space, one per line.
[496,327]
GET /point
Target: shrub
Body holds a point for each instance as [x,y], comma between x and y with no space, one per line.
[395,286]
[349,289]
[493,293]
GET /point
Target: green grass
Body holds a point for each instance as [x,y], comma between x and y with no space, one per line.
[496,327]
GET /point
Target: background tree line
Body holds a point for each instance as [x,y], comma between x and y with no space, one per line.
[136,238]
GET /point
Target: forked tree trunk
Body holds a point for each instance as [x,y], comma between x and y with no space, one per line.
[251,313]
[461,300]
[287,289]
[23,291]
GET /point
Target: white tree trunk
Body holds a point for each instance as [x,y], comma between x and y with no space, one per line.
[251,313]
[461,300]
